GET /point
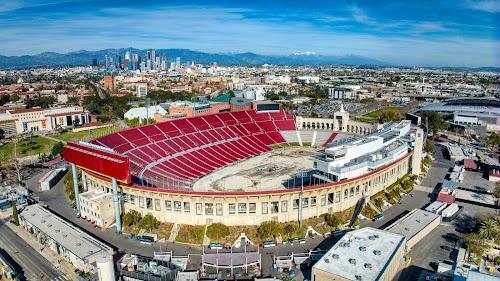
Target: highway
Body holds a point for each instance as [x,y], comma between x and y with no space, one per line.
[34,265]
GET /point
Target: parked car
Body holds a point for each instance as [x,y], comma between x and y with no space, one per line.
[447,248]
[147,240]
[451,236]
[336,233]
[378,217]
[215,246]
[269,244]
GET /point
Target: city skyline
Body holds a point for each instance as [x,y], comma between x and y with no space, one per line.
[446,33]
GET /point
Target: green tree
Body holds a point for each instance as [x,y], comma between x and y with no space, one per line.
[41,101]
[333,220]
[56,149]
[271,95]
[109,107]
[15,214]
[148,223]
[497,190]
[434,121]
[131,218]
[475,244]
[73,101]
[163,96]
[14,97]
[217,231]
[379,202]
[493,140]
[68,186]
[489,228]
[289,229]
[389,116]
[428,146]
[76,122]
[269,229]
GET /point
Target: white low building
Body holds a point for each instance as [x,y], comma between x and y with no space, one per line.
[356,156]
[363,254]
[145,113]
[71,243]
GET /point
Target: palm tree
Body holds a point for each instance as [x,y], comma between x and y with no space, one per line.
[489,228]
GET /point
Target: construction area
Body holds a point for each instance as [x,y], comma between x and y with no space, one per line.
[268,171]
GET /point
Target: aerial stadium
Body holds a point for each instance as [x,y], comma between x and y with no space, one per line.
[245,167]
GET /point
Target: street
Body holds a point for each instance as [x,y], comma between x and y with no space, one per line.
[34,265]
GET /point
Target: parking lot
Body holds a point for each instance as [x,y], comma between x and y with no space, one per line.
[475,181]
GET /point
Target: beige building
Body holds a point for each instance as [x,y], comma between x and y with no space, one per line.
[363,254]
[38,119]
[250,208]
[340,123]
[97,207]
[415,226]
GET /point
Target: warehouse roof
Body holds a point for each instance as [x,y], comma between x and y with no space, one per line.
[362,254]
[65,234]
[411,224]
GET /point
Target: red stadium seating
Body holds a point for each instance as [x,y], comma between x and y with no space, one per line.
[186,149]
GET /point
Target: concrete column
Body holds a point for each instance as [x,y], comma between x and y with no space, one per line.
[416,158]
[118,219]
[76,189]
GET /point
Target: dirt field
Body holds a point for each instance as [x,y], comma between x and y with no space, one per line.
[264,172]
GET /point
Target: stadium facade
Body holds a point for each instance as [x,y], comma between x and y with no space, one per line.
[483,112]
[151,169]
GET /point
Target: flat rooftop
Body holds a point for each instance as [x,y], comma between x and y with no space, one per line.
[97,196]
[412,223]
[67,235]
[364,253]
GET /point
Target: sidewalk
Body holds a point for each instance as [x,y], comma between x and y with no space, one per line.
[59,262]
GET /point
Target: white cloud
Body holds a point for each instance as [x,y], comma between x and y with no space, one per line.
[489,6]
[360,16]
[229,30]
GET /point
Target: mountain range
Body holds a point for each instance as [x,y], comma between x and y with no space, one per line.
[85,57]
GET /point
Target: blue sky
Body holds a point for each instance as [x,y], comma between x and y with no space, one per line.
[405,32]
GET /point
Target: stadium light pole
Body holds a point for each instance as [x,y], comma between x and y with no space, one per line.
[147,110]
[117,206]
[76,187]
[300,197]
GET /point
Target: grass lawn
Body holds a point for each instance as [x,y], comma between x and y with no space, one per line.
[37,145]
[163,231]
[192,234]
[83,135]
[319,224]
[377,113]
[366,120]
[369,212]
[278,145]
